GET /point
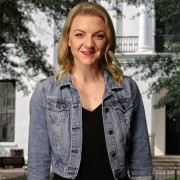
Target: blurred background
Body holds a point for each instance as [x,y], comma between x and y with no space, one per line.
[147,46]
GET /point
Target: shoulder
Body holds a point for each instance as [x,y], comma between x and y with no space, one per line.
[43,88]
[129,82]
[134,90]
[48,80]
[131,86]
[47,83]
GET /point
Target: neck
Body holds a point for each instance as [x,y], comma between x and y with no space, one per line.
[87,74]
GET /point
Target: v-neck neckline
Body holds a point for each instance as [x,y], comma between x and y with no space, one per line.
[84,109]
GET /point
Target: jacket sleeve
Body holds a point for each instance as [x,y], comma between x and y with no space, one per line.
[39,159]
[140,161]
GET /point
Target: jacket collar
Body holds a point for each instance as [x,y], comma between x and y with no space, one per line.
[66,80]
[109,82]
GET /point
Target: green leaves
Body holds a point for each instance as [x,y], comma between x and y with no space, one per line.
[21,58]
[163,71]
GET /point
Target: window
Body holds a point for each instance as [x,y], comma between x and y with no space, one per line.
[7,110]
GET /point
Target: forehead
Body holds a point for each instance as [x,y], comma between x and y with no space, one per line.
[88,22]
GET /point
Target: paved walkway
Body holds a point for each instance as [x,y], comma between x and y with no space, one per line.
[12,172]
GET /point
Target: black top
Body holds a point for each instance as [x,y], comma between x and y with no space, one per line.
[94,162]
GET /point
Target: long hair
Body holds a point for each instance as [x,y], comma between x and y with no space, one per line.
[108,61]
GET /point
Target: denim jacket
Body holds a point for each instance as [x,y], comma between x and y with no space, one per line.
[55,133]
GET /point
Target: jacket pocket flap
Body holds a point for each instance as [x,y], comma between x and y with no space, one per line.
[57,105]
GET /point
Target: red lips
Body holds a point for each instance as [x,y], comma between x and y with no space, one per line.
[88,53]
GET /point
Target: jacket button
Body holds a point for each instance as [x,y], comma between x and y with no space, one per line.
[110,132]
[113,155]
[106,110]
[75,151]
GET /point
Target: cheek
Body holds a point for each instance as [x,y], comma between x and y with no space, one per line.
[74,45]
[102,46]
[73,48]
[71,44]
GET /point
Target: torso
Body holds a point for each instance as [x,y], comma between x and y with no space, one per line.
[95,164]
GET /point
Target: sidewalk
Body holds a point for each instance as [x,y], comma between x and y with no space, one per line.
[12,172]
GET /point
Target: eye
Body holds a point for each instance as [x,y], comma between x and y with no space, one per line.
[79,35]
[99,36]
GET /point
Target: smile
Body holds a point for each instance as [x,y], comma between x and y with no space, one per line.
[88,53]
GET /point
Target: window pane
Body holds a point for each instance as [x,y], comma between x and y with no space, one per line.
[7,110]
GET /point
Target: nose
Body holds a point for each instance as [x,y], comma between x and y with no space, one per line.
[89,42]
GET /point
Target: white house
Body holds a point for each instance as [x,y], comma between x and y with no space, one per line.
[135,37]
[14,106]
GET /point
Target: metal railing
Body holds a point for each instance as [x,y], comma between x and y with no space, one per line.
[167,172]
[126,44]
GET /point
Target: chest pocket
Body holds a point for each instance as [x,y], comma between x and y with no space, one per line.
[124,108]
[58,113]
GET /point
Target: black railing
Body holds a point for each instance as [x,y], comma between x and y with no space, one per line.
[126,44]
[170,171]
[166,175]
[161,40]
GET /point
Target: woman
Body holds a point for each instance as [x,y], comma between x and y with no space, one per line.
[88,121]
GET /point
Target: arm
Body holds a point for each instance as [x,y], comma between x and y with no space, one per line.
[39,159]
[140,162]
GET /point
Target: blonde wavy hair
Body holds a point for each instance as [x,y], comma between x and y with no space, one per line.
[108,61]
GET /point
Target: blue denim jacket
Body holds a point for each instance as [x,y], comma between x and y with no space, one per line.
[55,134]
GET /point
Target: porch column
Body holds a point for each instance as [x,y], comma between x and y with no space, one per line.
[145,41]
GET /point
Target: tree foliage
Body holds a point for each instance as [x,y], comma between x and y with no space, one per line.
[164,72]
[55,10]
[167,15]
[163,69]
[21,58]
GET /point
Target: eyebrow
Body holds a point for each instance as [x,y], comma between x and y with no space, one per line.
[85,32]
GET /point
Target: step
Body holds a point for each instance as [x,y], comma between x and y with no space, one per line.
[166,162]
